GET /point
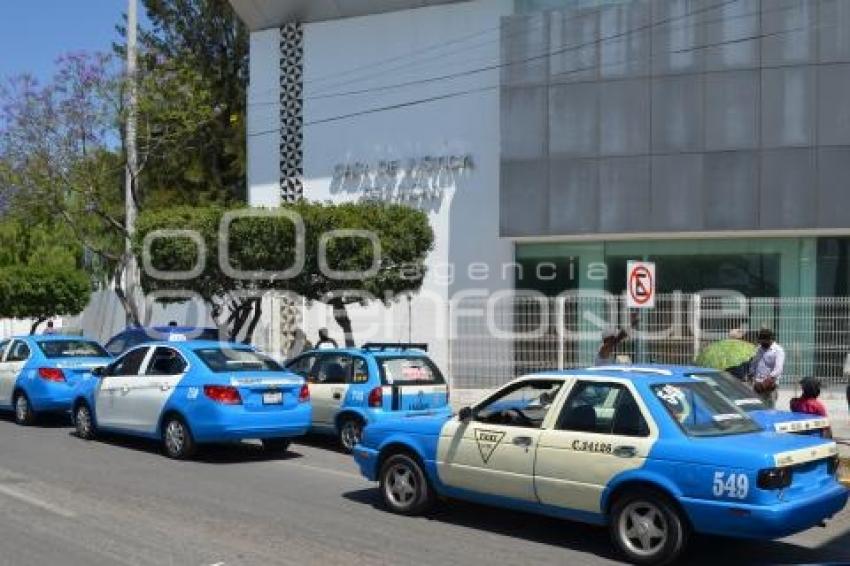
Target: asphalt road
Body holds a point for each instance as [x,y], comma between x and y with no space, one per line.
[67,502]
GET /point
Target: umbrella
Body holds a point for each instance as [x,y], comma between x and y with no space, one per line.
[725,354]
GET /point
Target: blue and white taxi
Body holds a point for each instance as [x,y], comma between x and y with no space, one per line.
[38,373]
[354,387]
[652,455]
[194,392]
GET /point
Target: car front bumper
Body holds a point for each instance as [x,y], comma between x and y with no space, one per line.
[367,461]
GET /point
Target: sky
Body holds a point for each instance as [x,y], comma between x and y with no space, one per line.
[33,33]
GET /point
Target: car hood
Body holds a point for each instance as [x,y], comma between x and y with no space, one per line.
[786,421]
[753,451]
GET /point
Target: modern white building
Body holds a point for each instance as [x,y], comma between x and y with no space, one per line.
[712,137]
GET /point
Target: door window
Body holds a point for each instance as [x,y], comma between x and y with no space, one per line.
[602,408]
[19,352]
[130,363]
[333,369]
[3,345]
[525,404]
[360,371]
[302,365]
[166,361]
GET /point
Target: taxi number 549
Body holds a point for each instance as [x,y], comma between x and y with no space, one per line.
[736,486]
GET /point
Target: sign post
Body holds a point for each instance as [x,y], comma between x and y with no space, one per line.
[640,285]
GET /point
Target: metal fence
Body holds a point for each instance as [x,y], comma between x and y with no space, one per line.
[494,340]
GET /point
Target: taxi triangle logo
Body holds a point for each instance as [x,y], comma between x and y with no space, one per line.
[487,441]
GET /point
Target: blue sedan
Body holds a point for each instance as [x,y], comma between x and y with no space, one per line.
[650,453]
[194,392]
[38,373]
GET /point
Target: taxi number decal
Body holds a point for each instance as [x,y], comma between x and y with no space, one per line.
[598,447]
[736,486]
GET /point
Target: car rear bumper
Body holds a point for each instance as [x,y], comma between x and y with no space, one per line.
[47,396]
[763,521]
[367,461]
[235,423]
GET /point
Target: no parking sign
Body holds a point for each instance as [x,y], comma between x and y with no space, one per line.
[640,285]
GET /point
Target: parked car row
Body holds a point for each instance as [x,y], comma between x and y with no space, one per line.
[655,453]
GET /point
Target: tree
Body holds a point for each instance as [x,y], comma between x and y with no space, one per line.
[28,291]
[199,157]
[59,163]
[266,244]
[40,272]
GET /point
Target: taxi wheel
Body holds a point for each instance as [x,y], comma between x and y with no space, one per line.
[24,414]
[647,528]
[83,422]
[177,439]
[350,433]
[276,445]
[404,487]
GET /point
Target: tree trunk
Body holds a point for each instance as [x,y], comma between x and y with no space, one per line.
[258,311]
[131,313]
[341,318]
[35,325]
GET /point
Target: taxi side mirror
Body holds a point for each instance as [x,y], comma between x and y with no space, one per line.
[465,414]
[99,371]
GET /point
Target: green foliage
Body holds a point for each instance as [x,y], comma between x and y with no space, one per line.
[267,244]
[193,82]
[38,245]
[725,354]
[40,292]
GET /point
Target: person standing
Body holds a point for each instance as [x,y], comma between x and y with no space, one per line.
[767,367]
[808,402]
[50,329]
[611,338]
[325,341]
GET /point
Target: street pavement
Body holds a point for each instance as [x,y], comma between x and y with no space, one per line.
[67,502]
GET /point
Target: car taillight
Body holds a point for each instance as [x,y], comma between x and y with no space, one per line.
[304,394]
[224,394]
[775,478]
[376,397]
[51,374]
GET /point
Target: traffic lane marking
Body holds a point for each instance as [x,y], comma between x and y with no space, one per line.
[34,501]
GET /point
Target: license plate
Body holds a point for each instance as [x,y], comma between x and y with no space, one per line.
[272,398]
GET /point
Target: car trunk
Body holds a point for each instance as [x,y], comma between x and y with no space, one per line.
[265,391]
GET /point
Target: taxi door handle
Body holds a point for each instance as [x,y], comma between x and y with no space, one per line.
[337,395]
[523,441]
[164,387]
[125,390]
[625,451]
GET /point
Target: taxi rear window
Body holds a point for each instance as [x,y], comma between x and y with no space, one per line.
[220,360]
[54,349]
[409,370]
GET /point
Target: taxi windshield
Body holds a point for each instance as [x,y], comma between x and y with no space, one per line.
[71,349]
[731,388]
[222,360]
[700,410]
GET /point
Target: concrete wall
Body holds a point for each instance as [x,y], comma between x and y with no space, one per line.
[656,116]
[354,112]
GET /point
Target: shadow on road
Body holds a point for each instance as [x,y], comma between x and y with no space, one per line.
[45,420]
[226,453]
[322,442]
[578,537]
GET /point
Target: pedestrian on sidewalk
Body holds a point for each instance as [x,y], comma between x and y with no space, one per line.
[611,338]
[808,402]
[767,367]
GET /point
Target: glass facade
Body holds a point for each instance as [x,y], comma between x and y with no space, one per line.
[526,6]
[756,267]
